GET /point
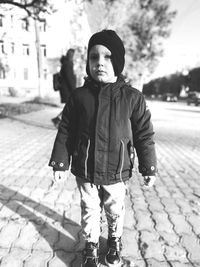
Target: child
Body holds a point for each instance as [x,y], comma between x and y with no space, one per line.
[101,125]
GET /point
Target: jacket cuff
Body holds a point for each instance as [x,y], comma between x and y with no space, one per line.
[58,166]
[148,171]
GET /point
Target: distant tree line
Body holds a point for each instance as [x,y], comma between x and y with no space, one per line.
[174,83]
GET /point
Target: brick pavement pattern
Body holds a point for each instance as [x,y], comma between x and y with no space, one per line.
[40,225]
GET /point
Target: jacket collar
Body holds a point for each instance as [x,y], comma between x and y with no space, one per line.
[106,89]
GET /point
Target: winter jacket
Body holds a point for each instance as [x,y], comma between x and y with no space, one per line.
[101,128]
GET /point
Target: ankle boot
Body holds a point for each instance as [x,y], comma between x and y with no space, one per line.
[113,257]
[91,255]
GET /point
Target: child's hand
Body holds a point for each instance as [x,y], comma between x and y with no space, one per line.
[60,176]
[149,180]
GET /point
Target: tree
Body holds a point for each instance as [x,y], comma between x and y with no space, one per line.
[33,8]
[168,84]
[194,79]
[113,13]
[143,25]
[148,26]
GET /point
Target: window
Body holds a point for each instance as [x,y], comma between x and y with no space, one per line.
[42,25]
[25,24]
[1,20]
[26,74]
[44,50]
[12,48]
[26,50]
[11,21]
[45,74]
[2,50]
[2,74]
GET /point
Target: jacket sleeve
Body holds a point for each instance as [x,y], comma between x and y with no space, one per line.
[143,137]
[65,138]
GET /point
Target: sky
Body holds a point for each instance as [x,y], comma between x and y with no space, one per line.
[182,48]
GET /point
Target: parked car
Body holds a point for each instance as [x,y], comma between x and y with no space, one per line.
[169,97]
[193,98]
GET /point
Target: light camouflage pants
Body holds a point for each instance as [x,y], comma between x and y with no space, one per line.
[93,200]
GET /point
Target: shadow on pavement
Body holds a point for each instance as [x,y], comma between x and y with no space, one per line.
[58,241]
[32,123]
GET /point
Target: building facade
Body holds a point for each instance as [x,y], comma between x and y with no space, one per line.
[30,50]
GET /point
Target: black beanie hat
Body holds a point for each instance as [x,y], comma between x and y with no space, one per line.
[112,41]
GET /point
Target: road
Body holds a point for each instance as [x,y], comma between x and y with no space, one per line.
[177,126]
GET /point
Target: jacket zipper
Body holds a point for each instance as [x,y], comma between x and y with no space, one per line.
[122,161]
[86,158]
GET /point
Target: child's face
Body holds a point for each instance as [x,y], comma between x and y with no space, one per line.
[100,64]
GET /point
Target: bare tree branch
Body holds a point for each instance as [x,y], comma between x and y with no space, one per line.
[34,8]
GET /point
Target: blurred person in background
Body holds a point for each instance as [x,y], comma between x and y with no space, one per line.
[67,81]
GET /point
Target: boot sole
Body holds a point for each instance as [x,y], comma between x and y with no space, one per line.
[113,265]
[98,265]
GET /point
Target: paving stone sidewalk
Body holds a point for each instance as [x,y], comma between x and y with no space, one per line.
[40,225]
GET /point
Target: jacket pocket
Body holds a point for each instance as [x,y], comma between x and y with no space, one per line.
[131,153]
[126,156]
[81,155]
[86,158]
[122,154]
